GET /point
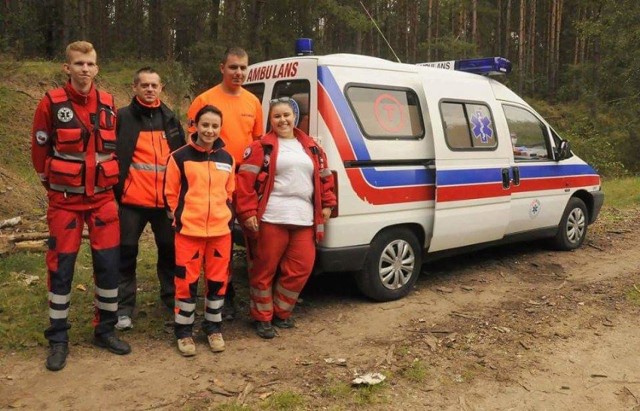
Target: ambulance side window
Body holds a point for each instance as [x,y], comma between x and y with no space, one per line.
[298,91]
[257,89]
[386,112]
[468,126]
[529,136]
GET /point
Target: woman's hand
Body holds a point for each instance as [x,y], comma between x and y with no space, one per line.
[326,213]
[252,224]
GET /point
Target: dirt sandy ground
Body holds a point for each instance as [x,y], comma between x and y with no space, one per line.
[513,328]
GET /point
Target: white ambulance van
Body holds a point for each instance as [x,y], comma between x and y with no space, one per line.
[428,162]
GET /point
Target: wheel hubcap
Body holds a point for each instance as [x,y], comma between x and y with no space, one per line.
[576,224]
[396,264]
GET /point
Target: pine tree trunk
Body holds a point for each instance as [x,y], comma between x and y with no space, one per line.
[521,47]
[474,23]
[507,31]
[429,29]
[213,22]
[498,36]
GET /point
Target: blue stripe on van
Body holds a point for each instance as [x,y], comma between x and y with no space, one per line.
[556,170]
[420,176]
[470,176]
[395,178]
[342,107]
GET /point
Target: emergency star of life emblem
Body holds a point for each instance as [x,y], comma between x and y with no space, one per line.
[65,114]
[482,127]
[534,208]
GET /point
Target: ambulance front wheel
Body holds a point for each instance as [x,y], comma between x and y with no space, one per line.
[392,266]
[573,226]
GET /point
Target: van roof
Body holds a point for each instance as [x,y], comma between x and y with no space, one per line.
[501,91]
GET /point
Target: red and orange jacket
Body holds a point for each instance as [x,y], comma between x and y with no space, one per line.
[254,184]
[198,186]
[72,147]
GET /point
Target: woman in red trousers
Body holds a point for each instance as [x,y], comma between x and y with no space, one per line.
[284,196]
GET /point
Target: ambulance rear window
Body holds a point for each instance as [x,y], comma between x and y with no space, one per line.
[468,126]
[386,112]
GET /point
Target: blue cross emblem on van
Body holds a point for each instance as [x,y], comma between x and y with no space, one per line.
[481,127]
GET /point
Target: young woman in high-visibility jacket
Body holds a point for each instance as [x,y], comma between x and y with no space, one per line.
[199,183]
[284,197]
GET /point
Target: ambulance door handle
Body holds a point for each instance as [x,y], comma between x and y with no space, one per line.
[506,179]
[516,176]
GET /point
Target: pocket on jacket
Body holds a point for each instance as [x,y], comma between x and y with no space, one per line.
[69,140]
[107,174]
[64,172]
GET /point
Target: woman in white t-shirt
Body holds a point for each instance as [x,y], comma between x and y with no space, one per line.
[284,194]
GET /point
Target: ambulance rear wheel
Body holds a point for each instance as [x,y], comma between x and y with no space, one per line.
[573,226]
[392,266]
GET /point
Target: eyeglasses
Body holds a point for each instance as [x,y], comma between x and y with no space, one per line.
[280,100]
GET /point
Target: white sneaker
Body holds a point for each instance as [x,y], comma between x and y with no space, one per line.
[187,347]
[124,323]
[216,342]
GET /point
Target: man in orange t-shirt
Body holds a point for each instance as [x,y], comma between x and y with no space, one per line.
[242,110]
[243,122]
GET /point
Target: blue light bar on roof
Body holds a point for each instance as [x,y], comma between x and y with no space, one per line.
[304,47]
[486,65]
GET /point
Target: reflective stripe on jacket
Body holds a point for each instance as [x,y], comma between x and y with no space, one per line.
[146,135]
[198,188]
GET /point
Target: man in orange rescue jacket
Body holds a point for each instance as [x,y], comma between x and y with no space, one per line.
[242,121]
[72,145]
[147,131]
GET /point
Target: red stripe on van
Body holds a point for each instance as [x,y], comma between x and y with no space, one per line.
[331,118]
[388,195]
[537,184]
[471,192]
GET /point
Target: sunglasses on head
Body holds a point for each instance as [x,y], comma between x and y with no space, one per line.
[280,100]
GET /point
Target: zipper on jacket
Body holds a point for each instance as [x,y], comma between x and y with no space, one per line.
[155,158]
[208,194]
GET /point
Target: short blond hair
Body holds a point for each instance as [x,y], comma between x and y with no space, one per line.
[81,46]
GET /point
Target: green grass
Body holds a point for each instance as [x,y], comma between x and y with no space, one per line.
[232,406]
[633,295]
[24,311]
[622,192]
[369,395]
[24,315]
[416,372]
[336,390]
[286,400]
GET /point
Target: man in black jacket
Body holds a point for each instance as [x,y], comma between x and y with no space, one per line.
[147,131]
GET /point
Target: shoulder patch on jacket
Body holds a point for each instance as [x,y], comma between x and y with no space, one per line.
[247,153]
[41,137]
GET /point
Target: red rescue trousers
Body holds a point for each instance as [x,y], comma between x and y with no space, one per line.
[293,249]
[65,235]
[192,253]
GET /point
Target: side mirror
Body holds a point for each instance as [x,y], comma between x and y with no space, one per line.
[563,151]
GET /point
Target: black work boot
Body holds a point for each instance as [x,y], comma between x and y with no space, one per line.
[283,323]
[112,343]
[57,358]
[265,330]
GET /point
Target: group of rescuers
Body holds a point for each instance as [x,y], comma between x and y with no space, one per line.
[118,171]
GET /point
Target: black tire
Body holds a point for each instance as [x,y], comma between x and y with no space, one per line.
[392,265]
[573,226]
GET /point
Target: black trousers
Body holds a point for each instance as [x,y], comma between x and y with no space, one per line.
[132,222]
